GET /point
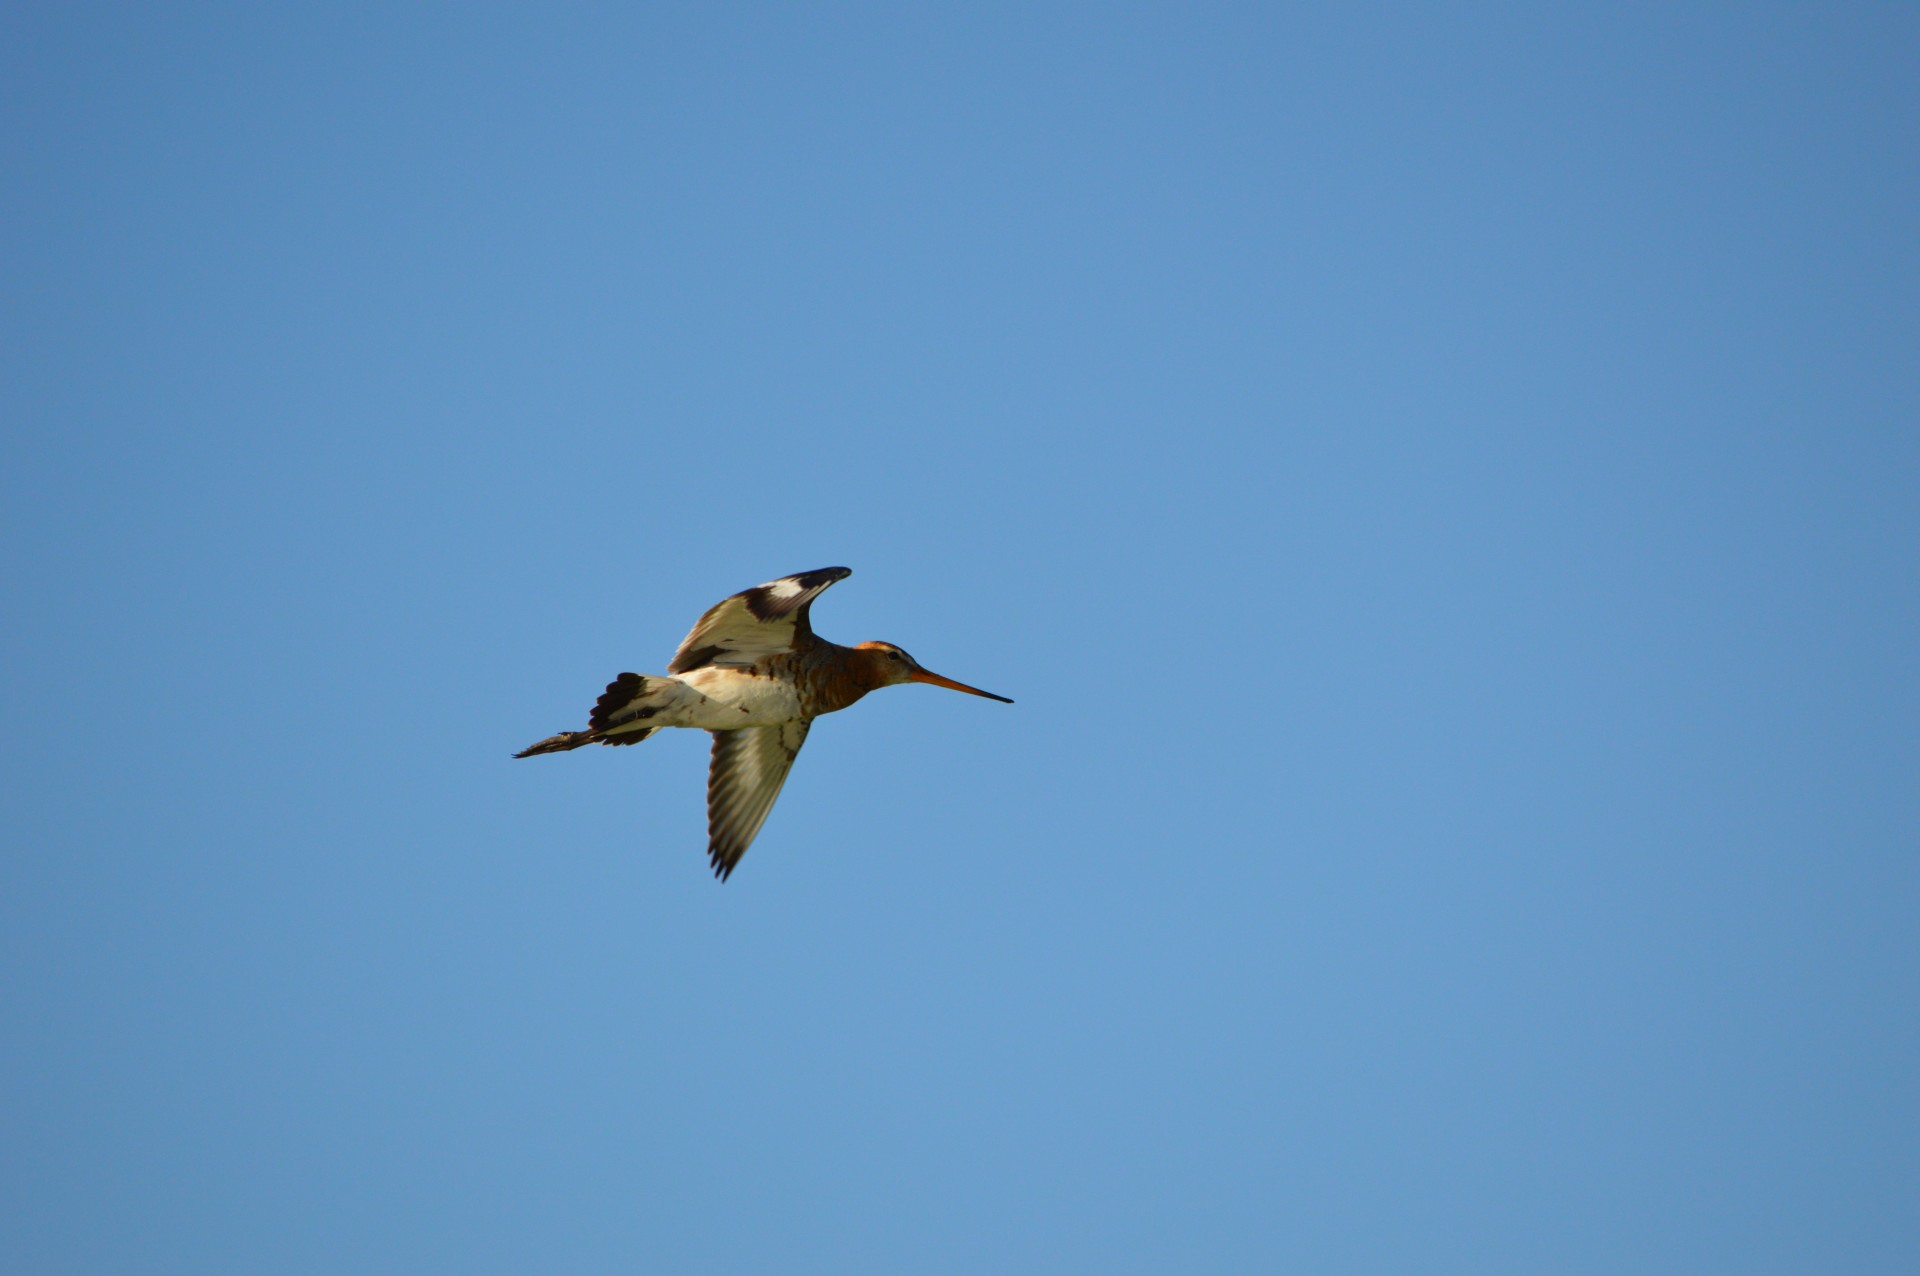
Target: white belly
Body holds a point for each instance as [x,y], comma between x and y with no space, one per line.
[730,698]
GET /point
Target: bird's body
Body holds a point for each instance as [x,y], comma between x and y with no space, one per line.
[754,674]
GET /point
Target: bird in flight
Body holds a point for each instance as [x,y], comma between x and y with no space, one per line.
[754,674]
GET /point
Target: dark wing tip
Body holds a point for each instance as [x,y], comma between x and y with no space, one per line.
[790,595]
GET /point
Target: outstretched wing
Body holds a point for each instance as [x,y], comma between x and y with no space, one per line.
[749,766]
[761,621]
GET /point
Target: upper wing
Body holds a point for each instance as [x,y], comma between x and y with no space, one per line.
[757,622]
[749,766]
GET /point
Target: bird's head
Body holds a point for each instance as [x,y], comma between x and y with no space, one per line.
[887,666]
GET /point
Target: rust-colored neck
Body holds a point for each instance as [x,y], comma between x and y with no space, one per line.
[831,677]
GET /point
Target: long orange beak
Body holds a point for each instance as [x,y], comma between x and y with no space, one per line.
[921,675]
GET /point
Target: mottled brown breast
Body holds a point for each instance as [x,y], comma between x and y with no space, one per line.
[829,677]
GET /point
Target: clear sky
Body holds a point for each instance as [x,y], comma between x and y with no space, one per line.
[1442,483]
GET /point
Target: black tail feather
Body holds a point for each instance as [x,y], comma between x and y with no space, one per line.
[609,723]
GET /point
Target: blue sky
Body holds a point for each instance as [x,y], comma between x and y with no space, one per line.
[1441,483]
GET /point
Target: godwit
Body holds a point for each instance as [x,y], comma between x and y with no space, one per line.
[754,674]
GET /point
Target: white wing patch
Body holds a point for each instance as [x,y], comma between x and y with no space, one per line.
[749,766]
[763,621]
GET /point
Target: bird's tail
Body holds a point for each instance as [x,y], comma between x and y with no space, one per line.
[628,699]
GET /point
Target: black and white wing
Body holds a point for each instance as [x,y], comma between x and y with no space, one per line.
[762,621]
[749,766]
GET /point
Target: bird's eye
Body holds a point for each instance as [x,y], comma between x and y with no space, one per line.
[893,655]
